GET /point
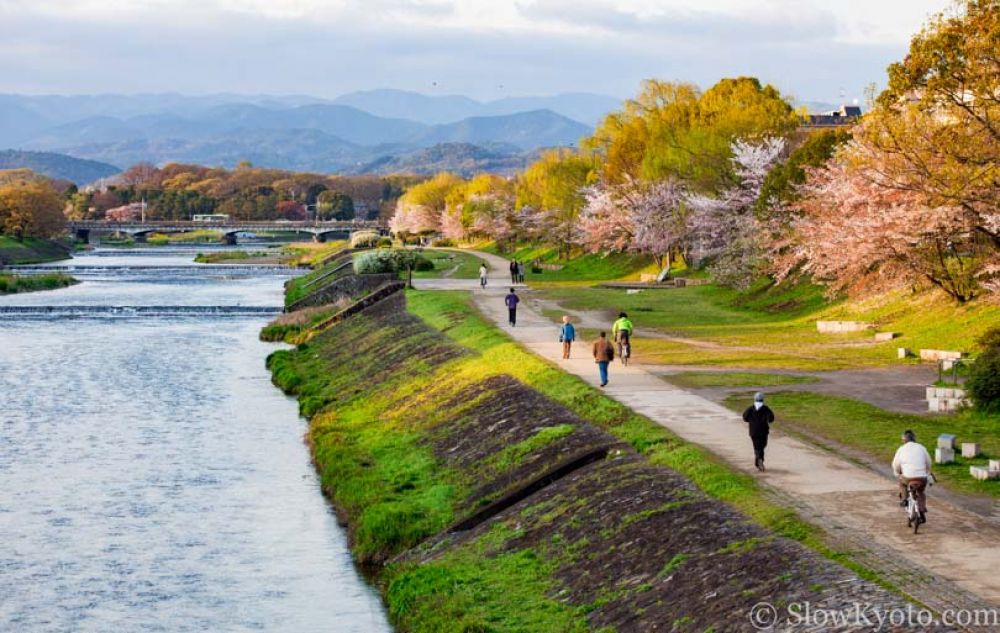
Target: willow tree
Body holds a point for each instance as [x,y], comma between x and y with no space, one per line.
[673,131]
[552,187]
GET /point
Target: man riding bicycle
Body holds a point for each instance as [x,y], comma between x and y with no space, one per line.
[912,465]
[621,331]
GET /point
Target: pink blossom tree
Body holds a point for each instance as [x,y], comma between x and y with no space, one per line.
[725,227]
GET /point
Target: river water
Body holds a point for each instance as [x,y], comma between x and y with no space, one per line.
[151,477]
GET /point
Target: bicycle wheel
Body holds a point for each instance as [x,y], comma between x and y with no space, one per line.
[913,514]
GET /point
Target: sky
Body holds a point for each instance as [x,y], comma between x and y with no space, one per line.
[811,50]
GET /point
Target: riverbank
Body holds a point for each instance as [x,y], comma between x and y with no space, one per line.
[13,284]
[30,251]
[488,490]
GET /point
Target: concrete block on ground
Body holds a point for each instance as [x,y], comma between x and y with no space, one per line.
[943,455]
[940,354]
[970,450]
[885,336]
[680,282]
[995,464]
[839,327]
[982,473]
[903,352]
[946,440]
[931,393]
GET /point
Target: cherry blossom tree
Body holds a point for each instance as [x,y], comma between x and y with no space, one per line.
[605,224]
[725,227]
[854,234]
[659,220]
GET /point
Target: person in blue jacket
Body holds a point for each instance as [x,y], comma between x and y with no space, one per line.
[567,334]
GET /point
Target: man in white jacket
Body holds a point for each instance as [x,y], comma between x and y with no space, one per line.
[912,464]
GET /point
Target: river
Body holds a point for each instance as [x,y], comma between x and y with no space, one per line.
[151,477]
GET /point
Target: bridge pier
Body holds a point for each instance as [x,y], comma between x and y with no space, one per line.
[140,238]
[231,239]
[82,235]
[319,237]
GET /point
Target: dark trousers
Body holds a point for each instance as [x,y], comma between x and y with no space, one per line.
[513,277]
[512,315]
[759,444]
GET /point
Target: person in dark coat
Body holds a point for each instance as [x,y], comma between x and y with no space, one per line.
[758,418]
[512,300]
[513,271]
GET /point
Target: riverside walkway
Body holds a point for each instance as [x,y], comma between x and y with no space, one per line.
[951,564]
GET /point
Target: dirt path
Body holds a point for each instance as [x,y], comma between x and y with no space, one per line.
[951,564]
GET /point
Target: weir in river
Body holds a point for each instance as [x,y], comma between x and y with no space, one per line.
[151,477]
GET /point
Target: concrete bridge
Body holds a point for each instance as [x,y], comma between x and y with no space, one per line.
[81,229]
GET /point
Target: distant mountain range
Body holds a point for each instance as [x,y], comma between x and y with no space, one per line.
[58,166]
[432,109]
[295,132]
[376,131]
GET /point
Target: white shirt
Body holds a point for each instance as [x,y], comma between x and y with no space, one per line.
[912,461]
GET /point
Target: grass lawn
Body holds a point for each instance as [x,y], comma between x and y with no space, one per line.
[309,253]
[453,264]
[698,380]
[578,268]
[775,328]
[12,284]
[876,432]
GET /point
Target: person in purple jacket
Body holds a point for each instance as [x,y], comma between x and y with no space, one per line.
[512,300]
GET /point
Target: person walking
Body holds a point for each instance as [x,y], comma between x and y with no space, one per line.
[604,353]
[513,271]
[567,334]
[482,275]
[758,417]
[512,300]
[520,272]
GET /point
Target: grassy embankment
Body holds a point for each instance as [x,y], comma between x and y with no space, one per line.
[233,256]
[12,284]
[385,477]
[30,251]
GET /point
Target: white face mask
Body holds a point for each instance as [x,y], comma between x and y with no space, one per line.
[757,405]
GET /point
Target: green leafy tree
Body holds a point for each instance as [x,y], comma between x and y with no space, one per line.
[335,205]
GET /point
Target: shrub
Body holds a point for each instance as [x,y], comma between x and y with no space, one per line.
[387,260]
[983,383]
[365,239]
[443,242]
[385,242]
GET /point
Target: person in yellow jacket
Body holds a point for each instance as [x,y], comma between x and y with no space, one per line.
[621,332]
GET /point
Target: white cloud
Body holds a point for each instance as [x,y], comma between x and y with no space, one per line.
[809,48]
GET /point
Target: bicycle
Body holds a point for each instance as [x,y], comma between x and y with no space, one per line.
[912,507]
[624,349]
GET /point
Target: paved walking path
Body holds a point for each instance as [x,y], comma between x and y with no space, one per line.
[952,563]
